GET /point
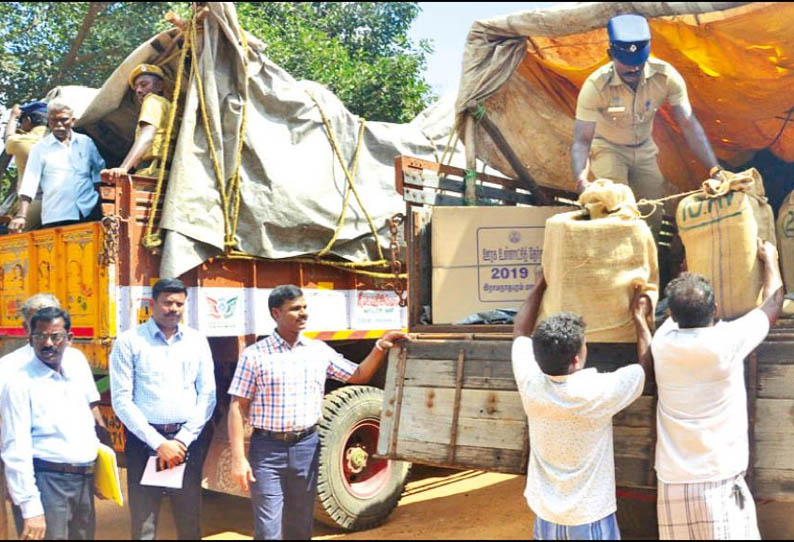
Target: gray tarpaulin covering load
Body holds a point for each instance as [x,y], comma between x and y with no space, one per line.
[292,185]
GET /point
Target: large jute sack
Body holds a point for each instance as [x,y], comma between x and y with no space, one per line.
[785,241]
[719,227]
[592,259]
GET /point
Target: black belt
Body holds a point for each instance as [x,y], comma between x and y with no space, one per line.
[286,436]
[40,464]
[167,427]
[635,145]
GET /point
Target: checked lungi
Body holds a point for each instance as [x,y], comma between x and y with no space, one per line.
[603,529]
[707,511]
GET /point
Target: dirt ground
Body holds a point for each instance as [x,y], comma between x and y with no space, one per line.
[438,504]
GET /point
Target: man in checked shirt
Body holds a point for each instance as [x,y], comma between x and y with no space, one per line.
[279,384]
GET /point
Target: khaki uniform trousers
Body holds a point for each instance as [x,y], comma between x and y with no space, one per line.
[636,167]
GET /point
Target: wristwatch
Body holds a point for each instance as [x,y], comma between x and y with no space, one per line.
[716,169]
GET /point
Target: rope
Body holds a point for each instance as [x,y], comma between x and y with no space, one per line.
[348,191]
[210,140]
[329,133]
[152,239]
[449,149]
[231,241]
[656,203]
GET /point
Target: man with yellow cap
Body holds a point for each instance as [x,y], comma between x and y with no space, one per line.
[147,80]
[616,108]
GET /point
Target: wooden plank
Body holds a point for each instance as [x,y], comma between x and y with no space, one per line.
[774,434]
[776,352]
[485,404]
[456,407]
[478,374]
[399,384]
[479,432]
[389,404]
[775,381]
[633,443]
[775,484]
[631,472]
[473,350]
[466,457]
[641,413]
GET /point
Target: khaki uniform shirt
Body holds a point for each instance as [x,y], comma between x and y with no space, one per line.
[623,116]
[154,111]
[19,146]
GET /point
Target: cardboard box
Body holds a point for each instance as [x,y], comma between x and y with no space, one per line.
[485,258]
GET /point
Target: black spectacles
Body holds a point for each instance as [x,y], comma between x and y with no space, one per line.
[56,338]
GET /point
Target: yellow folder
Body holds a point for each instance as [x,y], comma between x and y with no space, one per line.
[106,477]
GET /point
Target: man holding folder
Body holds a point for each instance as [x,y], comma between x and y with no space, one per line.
[49,444]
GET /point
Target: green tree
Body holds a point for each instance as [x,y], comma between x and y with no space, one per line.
[45,44]
[359,50]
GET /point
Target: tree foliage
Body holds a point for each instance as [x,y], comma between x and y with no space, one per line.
[360,50]
[45,44]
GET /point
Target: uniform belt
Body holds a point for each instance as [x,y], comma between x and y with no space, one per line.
[40,464]
[286,436]
[167,427]
[634,146]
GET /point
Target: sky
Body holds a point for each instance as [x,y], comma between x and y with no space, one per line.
[447,24]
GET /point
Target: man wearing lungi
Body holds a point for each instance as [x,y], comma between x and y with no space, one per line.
[702,448]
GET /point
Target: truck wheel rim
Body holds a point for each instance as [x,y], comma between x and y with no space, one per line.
[375,474]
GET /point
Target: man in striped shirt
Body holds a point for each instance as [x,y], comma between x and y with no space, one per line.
[279,384]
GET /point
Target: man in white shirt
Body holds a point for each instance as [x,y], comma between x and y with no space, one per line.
[702,448]
[12,362]
[66,166]
[49,444]
[571,473]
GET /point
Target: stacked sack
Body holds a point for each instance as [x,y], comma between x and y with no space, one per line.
[592,260]
[785,241]
[719,227]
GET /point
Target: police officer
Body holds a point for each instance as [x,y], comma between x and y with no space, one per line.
[147,81]
[616,109]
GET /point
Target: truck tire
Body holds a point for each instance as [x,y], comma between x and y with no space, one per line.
[355,491]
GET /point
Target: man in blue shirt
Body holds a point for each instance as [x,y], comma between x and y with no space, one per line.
[66,166]
[162,383]
[49,444]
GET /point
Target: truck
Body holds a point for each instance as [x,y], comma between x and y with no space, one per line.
[450,397]
[269,181]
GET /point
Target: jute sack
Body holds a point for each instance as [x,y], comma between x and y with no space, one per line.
[719,227]
[785,241]
[592,264]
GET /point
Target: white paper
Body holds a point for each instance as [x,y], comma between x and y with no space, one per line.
[171,478]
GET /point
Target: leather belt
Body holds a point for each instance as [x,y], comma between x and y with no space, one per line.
[40,464]
[167,427]
[286,436]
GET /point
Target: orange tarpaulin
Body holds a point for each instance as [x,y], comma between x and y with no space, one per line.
[737,64]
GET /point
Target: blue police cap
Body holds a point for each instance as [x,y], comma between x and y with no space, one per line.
[39,108]
[629,39]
